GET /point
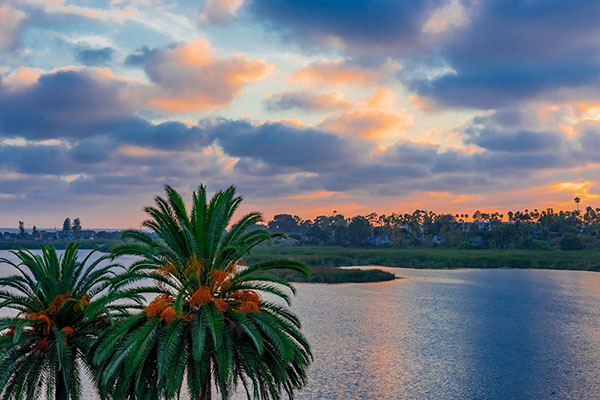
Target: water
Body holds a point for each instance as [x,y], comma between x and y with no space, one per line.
[454,334]
[461,334]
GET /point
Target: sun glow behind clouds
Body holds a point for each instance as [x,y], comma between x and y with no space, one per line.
[590,111]
[581,189]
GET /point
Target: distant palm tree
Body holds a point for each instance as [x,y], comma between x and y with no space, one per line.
[208,323]
[59,306]
[577,200]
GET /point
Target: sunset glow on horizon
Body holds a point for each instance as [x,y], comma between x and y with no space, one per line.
[389,106]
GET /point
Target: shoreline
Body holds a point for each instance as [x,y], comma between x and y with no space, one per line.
[335,257]
[325,262]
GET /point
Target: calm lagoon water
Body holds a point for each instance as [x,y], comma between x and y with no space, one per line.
[454,334]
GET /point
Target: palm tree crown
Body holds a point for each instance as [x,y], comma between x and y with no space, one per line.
[59,306]
[213,320]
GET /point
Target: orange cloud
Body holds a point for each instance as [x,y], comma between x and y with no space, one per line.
[420,102]
[22,77]
[228,162]
[334,73]
[189,123]
[292,122]
[376,118]
[137,151]
[589,110]
[381,98]
[581,189]
[369,124]
[568,118]
[558,195]
[189,78]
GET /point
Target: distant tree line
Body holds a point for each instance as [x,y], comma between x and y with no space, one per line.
[547,229]
[70,231]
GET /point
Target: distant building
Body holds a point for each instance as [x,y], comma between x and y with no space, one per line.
[481,225]
[476,241]
[86,235]
[382,240]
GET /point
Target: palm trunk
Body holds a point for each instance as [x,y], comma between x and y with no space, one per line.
[60,391]
[206,389]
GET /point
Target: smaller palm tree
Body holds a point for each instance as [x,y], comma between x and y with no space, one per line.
[58,306]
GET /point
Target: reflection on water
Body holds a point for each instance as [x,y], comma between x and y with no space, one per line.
[460,334]
[454,334]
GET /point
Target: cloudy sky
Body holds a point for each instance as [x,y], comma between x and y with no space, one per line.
[307,106]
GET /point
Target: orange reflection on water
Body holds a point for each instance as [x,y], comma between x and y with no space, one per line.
[385,328]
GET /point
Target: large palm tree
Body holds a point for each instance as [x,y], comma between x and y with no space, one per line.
[214,321]
[57,306]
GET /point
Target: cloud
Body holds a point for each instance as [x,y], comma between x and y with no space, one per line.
[514,141]
[421,103]
[88,100]
[92,102]
[307,101]
[381,98]
[369,124]
[83,138]
[448,16]
[283,145]
[96,115]
[189,78]
[356,27]
[34,159]
[275,160]
[506,150]
[458,54]
[95,57]
[12,23]
[514,52]
[490,86]
[137,17]
[93,143]
[20,78]
[590,139]
[94,127]
[376,118]
[337,73]
[215,11]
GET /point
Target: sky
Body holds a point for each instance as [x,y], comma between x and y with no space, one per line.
[306,106]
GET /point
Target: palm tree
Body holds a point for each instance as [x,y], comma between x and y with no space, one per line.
[577,200]
[210,321]
[58,308]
